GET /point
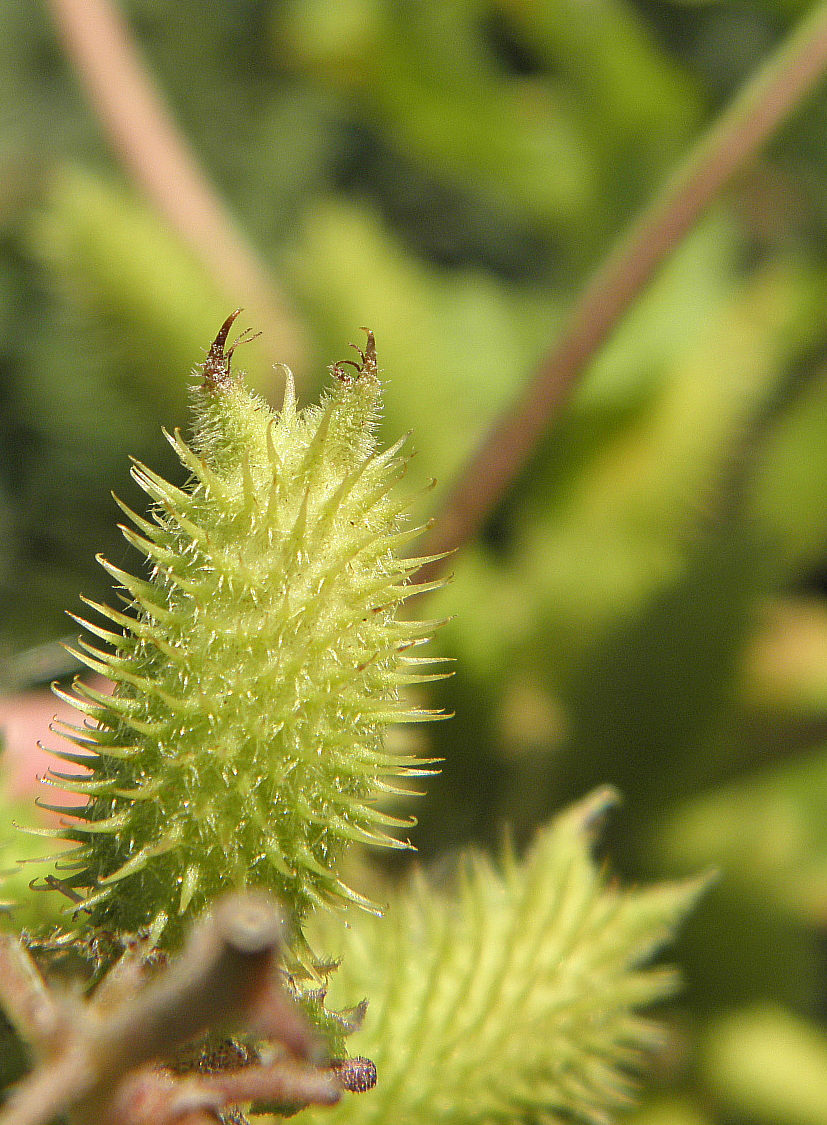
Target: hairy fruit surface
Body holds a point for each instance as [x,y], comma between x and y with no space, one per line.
[256,666]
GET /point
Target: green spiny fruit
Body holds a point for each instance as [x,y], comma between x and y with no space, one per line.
[514,993]
[256,669]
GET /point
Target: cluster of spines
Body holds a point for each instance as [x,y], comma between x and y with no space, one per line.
[513,993]
[255,668]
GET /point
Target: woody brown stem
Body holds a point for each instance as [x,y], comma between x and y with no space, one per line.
[91,1065]
[24,998]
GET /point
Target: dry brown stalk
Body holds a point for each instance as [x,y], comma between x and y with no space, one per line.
[101,1062]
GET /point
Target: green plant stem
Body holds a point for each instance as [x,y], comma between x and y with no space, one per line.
[151,148]
[768,99]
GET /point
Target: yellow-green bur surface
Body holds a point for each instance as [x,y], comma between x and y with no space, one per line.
[256,668]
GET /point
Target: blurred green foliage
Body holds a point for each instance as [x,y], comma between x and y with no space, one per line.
[646,606]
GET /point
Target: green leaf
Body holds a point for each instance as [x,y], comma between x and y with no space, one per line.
[112,254]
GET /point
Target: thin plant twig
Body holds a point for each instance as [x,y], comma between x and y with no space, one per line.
[101,1062]
[767,100]
[151,148]
[158,1097]
[25,999]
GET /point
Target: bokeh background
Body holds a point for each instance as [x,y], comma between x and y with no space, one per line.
[646,605]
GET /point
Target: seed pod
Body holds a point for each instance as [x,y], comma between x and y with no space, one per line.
[256,667]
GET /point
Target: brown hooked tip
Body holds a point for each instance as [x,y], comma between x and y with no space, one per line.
[366,364]
[216,367]
[369,354]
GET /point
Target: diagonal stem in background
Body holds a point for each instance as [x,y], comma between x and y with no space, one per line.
[160,160]
[151,148]
[768,99]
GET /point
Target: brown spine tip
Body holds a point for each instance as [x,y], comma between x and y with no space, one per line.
[216,367]
[366,364]
[369,355]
